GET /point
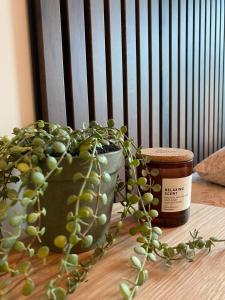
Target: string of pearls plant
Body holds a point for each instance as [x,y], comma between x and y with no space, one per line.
[33,155]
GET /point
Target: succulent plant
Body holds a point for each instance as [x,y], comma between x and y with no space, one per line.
[36,153]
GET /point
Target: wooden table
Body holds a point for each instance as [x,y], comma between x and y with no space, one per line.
[203,279]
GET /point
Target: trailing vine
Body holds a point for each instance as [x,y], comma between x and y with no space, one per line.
[35,154]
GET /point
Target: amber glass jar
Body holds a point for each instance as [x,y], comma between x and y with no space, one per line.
[175,178]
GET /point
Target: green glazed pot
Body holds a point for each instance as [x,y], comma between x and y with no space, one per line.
[61,187]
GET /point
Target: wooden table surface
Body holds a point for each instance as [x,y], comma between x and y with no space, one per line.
[203,279]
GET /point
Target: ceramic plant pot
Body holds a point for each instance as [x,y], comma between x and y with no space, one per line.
[62,186]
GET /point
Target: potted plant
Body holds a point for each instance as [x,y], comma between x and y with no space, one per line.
[64,183]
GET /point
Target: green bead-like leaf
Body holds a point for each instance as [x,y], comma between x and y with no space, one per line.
[24,266]
[106,177]
[154,172]
[43,252]
[123,129]
[72,199]
[51,163]
[23,167]
[31,230]
[135,163]
[19,246]
[73,259]
[60,293]
[102,219]
[125,291]
[59,147]
[140,250]
[3,164]
[111,123]
[85,212]
[136,261]
[37,178]
[28,287]
[147,198]
[77,177]
[102,159]
[152,257]
[142,181]
[153,213]
[87,242]
[33,217]
[60,241]
[155,201]
[16,221]
[143,277]
[157,230]
[87,196]
[156,188]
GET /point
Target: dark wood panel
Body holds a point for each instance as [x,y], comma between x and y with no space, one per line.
[216,80]
[212,76]
[155,65]
[77,46]
[196,81]
[143,70]
[182,75]
[155,108]
[201,79]
[99,60]
[174,73]
[207,78]
[49,41]
[221,79]
[114,55]
[130,67]
[190,13]
[165,99]
[223,95]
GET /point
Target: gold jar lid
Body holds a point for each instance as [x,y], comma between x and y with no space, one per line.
[168,154]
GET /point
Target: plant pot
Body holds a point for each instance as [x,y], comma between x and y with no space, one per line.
[61,187]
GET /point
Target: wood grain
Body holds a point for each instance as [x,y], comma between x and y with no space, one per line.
[50,57]
[76,31]
[183,280]
[157,66]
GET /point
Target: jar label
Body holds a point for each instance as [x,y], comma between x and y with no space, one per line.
[176,194]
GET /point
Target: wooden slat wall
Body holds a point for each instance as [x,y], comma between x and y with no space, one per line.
[156,65]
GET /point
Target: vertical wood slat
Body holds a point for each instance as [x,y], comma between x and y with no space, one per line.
[157,66]
[115,56]
[77,45]
[49,41]
[196,81]
[155,108]
[165,99]
[216,79]
[174,74]
[98,60]
[201,79]
[189,74]
[129,47]
[221,76]
[223,95]
[182,73]
[142,41]
[212,78]
[207,78]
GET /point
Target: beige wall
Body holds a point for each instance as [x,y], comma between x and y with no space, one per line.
[16,91]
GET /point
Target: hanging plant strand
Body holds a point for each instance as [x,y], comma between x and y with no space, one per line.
[37,153]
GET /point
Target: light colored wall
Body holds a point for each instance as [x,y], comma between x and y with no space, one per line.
[16,90]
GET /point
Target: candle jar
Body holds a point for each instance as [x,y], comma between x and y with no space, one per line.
[174,175]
